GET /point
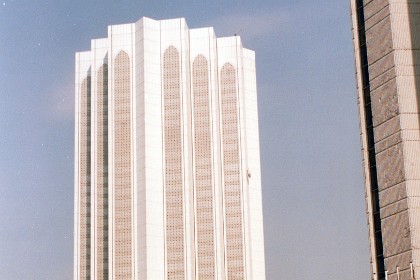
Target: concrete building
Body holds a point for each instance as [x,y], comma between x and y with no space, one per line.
[386,36]
[167,164]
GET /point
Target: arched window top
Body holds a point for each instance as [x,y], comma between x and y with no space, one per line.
[228,69]
[122,56]
[171,69]
[84,82]
[200,75]
[103,67]
[102,79]
[101,74]
[200,60]
[170,52]
[122,66]
[228,78]
[85,85]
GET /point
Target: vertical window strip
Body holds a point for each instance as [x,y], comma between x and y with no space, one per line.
[122,168]
[231,173]
[102,174]
[203,170]
[85,182]
[174,197]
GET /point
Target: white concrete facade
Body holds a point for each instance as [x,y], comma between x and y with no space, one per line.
[182,216]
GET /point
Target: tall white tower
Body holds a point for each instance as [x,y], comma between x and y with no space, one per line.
[167,163]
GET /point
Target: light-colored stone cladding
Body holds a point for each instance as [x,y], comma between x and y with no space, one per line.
[176,180]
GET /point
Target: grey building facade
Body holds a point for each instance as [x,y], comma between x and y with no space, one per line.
[386,37]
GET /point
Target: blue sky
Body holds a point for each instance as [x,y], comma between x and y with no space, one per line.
[314,217]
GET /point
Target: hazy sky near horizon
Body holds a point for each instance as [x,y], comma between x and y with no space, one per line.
[314,211]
